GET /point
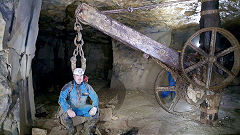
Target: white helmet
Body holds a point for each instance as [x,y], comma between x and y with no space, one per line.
[78,71]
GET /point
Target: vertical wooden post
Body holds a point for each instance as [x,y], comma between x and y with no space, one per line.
[210,14]
[209,18]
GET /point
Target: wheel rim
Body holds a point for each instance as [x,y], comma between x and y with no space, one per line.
[210,59]
[170,104]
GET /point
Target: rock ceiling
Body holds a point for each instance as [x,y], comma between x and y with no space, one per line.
[174,14]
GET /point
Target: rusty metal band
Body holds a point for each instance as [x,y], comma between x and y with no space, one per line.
[203,120]
[209,111]
[207,0]
[208,12]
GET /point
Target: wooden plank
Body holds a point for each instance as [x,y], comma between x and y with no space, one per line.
[126,35]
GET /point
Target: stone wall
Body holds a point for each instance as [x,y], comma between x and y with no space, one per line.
[2,28]
[138,73]
[9,103]
[19,45]
[134,71]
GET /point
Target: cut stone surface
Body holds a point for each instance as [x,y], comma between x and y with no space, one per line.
[105,114]
[20,33]
[134,71]
[58,131]
[2,28]
[38,131]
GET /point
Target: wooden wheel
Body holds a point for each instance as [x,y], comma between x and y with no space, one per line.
[175,102]
[211,58]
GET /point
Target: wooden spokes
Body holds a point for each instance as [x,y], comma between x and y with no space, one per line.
[209,59]
[170,102]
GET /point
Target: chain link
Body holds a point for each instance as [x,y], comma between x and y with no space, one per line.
[78,42]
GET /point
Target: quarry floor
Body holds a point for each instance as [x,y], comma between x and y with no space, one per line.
[138,113]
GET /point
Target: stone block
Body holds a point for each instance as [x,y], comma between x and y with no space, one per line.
[58,131]
[105,114]
[38,131]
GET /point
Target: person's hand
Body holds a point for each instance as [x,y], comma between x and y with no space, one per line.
[93,111]
[71,113]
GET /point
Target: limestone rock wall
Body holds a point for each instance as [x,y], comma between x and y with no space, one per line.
[175,14]
[138,73]
[2,28]
[134,71]
[9,103]
[19,39]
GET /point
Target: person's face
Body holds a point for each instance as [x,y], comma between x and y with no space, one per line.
[78,78]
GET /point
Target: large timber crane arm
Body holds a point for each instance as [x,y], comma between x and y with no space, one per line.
[91,16]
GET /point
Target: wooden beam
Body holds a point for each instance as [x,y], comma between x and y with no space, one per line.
[126,35]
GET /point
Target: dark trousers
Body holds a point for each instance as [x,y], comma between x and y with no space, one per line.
[87,122]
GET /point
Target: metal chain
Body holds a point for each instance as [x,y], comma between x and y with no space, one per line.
[78,42]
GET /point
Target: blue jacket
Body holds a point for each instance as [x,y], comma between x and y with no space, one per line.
[74,96]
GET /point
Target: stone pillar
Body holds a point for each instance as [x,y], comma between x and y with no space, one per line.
[2,28]
[19,38]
